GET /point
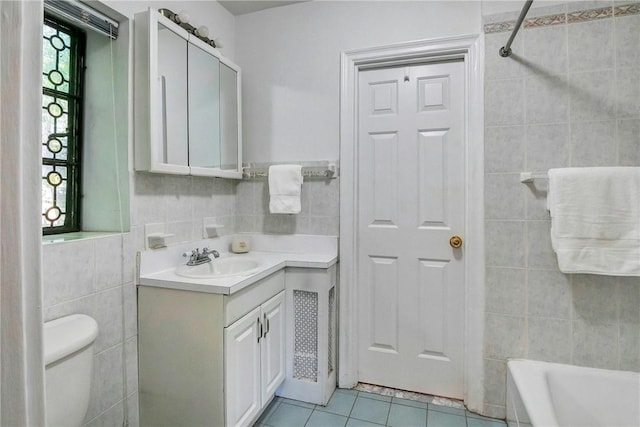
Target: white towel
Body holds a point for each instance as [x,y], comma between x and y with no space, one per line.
[284,189]
[595,219]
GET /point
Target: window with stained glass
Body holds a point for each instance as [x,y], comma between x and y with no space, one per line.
[62,59]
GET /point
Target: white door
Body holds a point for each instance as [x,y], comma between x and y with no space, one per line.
[411,174]
[242,369]
[273,346]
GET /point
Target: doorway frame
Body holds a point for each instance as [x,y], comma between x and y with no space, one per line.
[470,50]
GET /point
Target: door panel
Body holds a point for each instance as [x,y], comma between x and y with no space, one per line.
[433,93]
[433,294]
[410,201]
[431,156]
[384,171]
[385,97]
[384,330]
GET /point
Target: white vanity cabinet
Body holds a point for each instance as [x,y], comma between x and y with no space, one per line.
[187,103]
[208,359]
[254,360]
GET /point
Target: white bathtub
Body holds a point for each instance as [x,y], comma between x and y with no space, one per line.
[542,394]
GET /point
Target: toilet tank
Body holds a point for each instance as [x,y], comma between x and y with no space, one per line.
[68,357]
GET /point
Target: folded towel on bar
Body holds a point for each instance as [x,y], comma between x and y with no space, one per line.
[595,219]
[284,189]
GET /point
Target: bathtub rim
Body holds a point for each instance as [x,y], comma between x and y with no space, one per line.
[532,386]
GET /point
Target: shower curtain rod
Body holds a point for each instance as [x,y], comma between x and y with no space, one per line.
[505,50]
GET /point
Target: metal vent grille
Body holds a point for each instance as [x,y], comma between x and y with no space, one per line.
[305,351]
[332,327]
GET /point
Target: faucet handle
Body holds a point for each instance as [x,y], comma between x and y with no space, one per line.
[207,252]
[191,255]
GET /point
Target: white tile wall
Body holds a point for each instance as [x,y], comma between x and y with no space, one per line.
[595,344]
[504,104]
[96,277]
[505,336]
[496,375]
[547,146]
[131,365]
[504,149]
[626,34]
[629,346]
[540,58]
[112,417]
[627,92]
[181,203]
[494,65]
[548,294]
[591,45]
[133,410]
[106,384]
[320,209]
[549,339]
[628,137]
[87,276]
[547,99]
[505,244]
[578,104]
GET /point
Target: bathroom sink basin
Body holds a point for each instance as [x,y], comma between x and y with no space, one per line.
[220,268]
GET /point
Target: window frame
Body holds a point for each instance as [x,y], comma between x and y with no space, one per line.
[75,111]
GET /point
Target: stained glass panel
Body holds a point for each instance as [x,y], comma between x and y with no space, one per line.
[48,31]
[62,53]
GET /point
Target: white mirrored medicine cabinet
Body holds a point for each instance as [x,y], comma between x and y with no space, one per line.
[187,103]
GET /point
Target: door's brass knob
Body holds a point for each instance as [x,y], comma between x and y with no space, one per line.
[455,242]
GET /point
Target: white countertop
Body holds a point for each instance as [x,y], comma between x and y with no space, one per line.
[157,267]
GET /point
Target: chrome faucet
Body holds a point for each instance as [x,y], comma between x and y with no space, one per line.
[196,257]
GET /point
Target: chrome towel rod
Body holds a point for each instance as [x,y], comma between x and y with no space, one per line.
[328,170]
[527,177]
[505,50]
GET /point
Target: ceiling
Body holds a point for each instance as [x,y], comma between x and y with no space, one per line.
[240,7]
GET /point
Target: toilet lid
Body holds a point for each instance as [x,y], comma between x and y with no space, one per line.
[67,335]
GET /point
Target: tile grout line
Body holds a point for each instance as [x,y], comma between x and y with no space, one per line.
[310,414]
[430,406]
[386,421]
[352,406]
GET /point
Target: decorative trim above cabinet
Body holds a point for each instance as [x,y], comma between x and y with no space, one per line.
[187,103]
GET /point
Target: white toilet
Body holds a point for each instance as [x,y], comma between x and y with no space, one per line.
[68,359]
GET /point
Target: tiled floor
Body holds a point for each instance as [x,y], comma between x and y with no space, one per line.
[353,408]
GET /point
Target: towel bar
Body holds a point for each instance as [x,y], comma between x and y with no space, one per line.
[328,170]
[527,177]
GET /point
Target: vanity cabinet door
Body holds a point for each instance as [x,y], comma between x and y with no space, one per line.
[273,346]
[242,369]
